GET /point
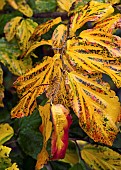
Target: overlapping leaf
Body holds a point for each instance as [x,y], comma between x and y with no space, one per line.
[62,122]
[1,88]
[101,157]
[95,12]
[45,128]
[22,29]
[32,84]
[90,101]
[9,53]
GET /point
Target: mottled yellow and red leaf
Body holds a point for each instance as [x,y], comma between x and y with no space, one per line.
[62,121]
[90,101]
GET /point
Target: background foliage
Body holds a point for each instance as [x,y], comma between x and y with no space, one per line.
[21,49]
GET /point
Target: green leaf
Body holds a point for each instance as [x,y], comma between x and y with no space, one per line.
[30,138]
[78,166]
[45,6]
[6,132]
[9,53]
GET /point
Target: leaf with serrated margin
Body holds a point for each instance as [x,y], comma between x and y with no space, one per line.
[45,128]
[62,121]
[94,11]
[93,103]
[109,24]
[33,84]
[9,53]
[101,157]
[111,45]
[43,28]
[1,88]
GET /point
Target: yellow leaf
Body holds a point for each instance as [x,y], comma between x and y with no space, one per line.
[43,28]
[36,44]
[62,121]
[95,12]
[1,88]
[12,3]
[59,37]
[11,28]
[6,132]
[5,161]
[13,167]
[24,8]
[65,4]
[101,157]
[42,159]
[45,128]
[2,3]
[95,112]
[24,32]
[31,85]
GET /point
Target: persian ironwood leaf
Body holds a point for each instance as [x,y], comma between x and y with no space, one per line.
[9,53]
[62,121]
[10,28]
[22,29]
[94,11]
[6,132]
[95,105]
[45,128]
[101,157]
[13,3]
[1,88]
[24,8]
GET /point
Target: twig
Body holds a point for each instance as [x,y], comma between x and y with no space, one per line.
[63,15]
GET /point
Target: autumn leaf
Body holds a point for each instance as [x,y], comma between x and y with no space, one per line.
[65,4]
[6,132]
[95,12]
[62,121]
[9,53]
[22,29]
[13,167]
[12,3]
[5,161]
[101,157]
[33,86]
[45,128]
[2,3]
[90,101]
[1,88]
[24,8]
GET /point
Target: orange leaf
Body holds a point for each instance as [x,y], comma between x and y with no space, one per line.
[62,121]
